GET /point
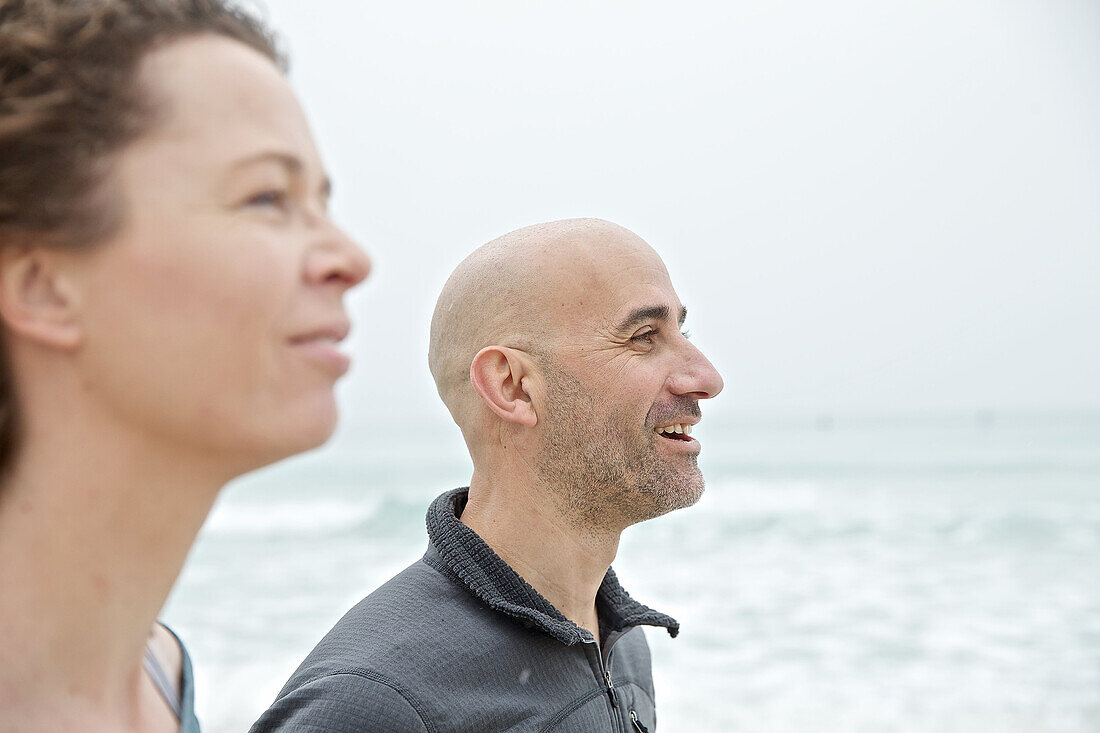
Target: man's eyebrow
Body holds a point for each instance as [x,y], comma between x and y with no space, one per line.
[645,313]
[291,162]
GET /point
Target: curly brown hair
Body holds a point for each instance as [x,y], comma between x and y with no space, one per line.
[69,101]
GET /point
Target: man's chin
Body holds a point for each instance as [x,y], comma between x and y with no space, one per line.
[671,498]
[691,496]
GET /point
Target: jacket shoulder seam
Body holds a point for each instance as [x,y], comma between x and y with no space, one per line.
[382,680]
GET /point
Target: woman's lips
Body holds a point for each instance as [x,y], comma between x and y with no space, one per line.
[324,351]
[322,347]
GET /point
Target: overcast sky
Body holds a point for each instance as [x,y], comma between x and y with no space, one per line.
[867,205]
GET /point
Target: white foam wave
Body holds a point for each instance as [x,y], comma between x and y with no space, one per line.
[304,516]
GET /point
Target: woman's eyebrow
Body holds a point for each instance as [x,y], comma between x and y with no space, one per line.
[289,161]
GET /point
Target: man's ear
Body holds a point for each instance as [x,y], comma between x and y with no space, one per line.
[500,375]
[38,298]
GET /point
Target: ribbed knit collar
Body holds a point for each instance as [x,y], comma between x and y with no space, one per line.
[458,550]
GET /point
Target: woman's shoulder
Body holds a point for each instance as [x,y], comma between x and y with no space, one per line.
[173,657]
[168,650]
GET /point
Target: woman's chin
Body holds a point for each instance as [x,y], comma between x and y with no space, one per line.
[289,433]
[312,429]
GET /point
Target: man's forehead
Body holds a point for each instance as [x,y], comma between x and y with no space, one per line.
[619,293]
[586,271]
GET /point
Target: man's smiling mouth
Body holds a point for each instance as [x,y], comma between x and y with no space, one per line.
[676,431]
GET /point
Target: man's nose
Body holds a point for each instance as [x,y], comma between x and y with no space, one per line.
[696,376]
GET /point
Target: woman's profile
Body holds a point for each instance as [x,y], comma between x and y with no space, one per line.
[170,312]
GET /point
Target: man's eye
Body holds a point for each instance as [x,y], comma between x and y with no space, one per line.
[645,337]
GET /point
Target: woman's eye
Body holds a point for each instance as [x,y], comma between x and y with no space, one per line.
[268,198]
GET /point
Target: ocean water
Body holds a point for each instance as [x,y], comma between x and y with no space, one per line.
[846,575]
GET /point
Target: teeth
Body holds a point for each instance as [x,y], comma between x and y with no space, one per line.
[676,428]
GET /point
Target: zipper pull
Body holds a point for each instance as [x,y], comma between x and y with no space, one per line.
[637,723]
[610,687]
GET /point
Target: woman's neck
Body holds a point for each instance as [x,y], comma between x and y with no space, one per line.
[94,529]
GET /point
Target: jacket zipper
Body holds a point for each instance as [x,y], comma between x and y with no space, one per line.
[638,726]
[610,688]
[618,718]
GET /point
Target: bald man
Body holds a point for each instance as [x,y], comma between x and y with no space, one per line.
[558,351]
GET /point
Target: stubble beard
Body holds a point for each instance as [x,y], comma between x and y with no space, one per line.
[604,473]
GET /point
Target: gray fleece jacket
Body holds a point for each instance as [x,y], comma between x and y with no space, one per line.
[459,643]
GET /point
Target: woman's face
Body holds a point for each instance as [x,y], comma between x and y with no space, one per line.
[211,317]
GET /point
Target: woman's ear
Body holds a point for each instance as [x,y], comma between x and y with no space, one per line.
[502,376]
[38,297]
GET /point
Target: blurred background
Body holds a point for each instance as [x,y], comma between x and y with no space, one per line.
[884,218]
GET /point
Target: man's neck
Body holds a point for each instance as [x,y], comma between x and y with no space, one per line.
[95,525]
[561,559]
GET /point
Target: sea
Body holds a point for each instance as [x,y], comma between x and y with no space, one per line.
[849,574]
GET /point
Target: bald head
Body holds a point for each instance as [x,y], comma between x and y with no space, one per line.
[515,291]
